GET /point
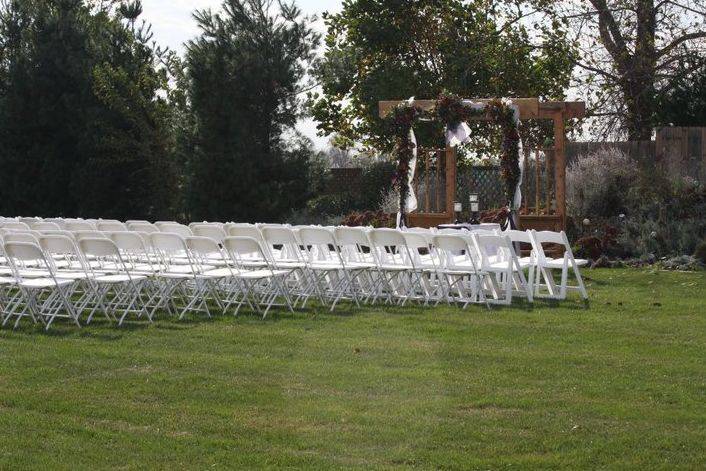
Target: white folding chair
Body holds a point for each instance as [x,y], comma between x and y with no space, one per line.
[176,273]
[401,278]
[334,279]
[458,268]
[421,247]
[505,275]
[545,265]
[118,293]
[42,298]
[283,249]
[258,288]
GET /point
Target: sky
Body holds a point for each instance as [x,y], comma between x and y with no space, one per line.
[173,25]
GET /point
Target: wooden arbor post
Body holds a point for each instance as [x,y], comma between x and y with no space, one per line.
[530,108]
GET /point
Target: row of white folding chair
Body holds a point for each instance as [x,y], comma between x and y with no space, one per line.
[47,283]
[110,291]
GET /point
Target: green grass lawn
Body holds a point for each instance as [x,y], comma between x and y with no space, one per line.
[621,384]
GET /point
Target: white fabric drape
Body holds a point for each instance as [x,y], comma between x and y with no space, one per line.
[411,203]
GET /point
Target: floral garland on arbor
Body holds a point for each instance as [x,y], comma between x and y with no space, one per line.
[452,112]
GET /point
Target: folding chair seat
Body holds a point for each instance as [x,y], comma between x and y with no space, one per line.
[117,293]
[262,287]
[545,265]
[42,299]
[458,264]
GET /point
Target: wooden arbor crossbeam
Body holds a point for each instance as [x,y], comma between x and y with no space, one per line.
[530,108]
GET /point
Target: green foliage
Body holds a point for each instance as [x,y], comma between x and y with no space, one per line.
[685,102]
[85,130]
[245,72]
[383,50]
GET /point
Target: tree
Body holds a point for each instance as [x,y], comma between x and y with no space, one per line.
[633,53]
[394,49]
[245,75]
[83,129]
[684,104]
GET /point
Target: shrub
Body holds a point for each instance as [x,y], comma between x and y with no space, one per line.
[369,218]
[598,185]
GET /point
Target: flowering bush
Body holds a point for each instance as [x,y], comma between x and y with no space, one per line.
[598,185]
[368,218]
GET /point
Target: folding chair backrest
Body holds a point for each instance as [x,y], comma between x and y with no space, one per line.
[202,246]
[352,236]
[104,252]
[494,249]
[23,251]
[29,221]
[57,244]
[130,242]
[354,243]
[390,247]
[246,231]
[142,227]
[15,225]
[547,237]
[168,241]
[24,255]
[111,226]
[45,226]
[98,247]
[454,250]
[206,223]
[78,235]
[243,248]
[175,228]
[320,244]
[27,236]
[75,226]
[211,231]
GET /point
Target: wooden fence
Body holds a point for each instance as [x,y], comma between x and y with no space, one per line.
[678,151]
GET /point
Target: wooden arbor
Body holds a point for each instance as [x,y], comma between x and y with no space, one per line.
[553,216]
